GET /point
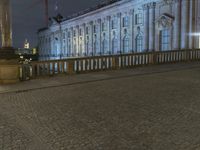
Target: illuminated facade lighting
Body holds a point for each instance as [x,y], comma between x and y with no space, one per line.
[124,26]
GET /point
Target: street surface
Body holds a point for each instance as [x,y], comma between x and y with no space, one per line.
[147,108]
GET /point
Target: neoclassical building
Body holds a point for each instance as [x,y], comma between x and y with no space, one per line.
[124,26]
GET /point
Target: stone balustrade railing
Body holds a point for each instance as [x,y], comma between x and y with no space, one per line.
[99,63]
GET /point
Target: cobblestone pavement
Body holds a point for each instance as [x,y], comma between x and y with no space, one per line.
[153,111]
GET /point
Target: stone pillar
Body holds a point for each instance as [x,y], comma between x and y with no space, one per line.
[72,42]
[131,13]
[192,24]
[119,15]
[66,40]
[77,41]
[6,25]
[152,26]
[100,31]
[92,38]
[84,39]
[146,27]
[185,24]
[109,33]
[177,25]
[197,23]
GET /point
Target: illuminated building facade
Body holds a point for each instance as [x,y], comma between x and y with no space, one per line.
[124,26]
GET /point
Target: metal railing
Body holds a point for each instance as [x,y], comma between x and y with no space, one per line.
[99,63]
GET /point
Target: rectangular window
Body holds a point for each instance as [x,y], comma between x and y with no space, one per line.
[114,24]
[74,33]
[103,26]
[95,29]
[164,38]
[126,21]
[87,30]
[80,32]
[63,36]
[138,18]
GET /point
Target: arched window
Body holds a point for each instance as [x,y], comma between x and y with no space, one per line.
[125,44]
[81,49]
[104,46]
[87,48]
[114,45]
[139,43]
[95,44]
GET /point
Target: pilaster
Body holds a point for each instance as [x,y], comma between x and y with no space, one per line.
[177,25]
[146,27]
[185,24]
[108,18]
[131,13]
[119,15]
[151,26]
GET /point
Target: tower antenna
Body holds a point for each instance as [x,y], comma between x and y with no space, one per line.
[46,12]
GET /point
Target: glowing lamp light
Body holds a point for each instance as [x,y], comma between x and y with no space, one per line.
[195,34]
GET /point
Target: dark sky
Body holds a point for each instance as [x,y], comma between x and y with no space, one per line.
[28,16]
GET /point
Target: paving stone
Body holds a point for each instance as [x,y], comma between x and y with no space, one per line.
[154,111]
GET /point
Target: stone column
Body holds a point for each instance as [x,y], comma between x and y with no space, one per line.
[77,41]
[192,24]
[72,42]
[185,24]
[84,39]
[152,26]
[131,13]
[119,15]
[197,23]
[146,27]
[92,38]
[5,22]
[100,31]
[177,25]
[66,40]
[109,33]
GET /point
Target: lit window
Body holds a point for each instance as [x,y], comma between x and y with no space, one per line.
[114,45]
[104,46]
[80,32]
[74,33]
[139,43]
[165,37]
[87,30]
[125,21]
[125,44]
[87,48]
[95,44]
[138,18]
[103,26]
[69,34]
[95,29]
[114,24]
[64,36]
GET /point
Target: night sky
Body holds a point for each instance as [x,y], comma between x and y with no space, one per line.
[28,16]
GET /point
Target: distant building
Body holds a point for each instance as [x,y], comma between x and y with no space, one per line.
[26,44]
[124,26]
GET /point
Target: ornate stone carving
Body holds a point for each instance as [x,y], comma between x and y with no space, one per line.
[152,5]
[168,2]
[165,21]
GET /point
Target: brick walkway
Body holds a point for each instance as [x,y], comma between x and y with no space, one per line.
[151,108]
